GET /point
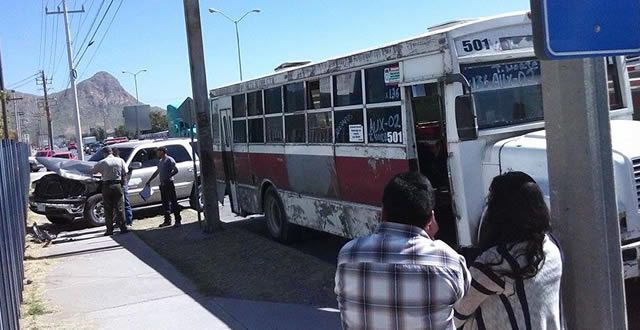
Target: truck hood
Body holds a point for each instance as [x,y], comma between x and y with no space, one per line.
[625,135]
[69,169]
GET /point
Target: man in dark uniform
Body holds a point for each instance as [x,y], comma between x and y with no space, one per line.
[113,170]
[128,211]
[167,169]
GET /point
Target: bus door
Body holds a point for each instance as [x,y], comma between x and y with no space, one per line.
[431,148]
[227,159]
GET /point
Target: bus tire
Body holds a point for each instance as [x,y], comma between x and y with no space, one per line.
[279,227]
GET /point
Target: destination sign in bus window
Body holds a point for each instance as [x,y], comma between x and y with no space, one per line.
[506,93]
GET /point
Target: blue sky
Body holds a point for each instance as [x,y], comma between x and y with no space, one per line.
[150,34]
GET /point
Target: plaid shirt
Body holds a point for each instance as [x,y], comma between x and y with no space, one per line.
[399,278]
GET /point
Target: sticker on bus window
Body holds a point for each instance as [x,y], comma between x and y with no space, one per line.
[356,133]
[392,75]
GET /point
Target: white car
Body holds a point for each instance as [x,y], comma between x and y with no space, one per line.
[73,192]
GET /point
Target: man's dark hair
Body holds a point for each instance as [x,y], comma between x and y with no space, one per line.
[107,151]
[163,149]
[408,198]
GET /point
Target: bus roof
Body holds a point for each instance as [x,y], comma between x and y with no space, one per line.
[429,42]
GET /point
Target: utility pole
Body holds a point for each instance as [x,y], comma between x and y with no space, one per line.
[3,103]
[17,117]
[43,79]
[201,103]
[72,73]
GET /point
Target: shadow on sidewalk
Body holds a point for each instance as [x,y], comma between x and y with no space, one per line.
[254,280]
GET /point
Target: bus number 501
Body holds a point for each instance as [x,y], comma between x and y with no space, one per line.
[394,137]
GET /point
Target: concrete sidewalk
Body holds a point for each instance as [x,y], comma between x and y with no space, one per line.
[120,283]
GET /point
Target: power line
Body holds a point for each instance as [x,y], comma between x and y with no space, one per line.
[84,19]
[25,83]
[103,36]
[93,23]
[10,86]
[95,32]
[40,53]
[54,46]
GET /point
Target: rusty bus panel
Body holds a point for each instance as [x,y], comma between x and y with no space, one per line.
[338,218]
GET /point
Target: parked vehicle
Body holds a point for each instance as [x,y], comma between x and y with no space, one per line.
[64,155]
[72,192]
[113,140]
[314,145]
[35,165]
[45,153]
[92,148]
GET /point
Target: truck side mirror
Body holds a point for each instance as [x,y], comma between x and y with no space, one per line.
[466,118]
[135,165]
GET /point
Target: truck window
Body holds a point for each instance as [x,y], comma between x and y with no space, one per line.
[147,157]
[179,153]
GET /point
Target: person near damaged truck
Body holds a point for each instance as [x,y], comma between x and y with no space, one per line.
[167,170]
[113,171]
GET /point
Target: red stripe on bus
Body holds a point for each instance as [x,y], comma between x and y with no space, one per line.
[362,180]
[352,179]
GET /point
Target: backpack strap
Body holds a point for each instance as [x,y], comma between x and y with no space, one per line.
[522,296]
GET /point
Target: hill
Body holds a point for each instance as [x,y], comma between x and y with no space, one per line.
[100,98]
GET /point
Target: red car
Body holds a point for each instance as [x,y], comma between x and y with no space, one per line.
[110,141]
[65,155]
[45,153]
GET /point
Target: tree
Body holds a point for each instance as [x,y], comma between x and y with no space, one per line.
[100,133]
[120,131]
[159,121]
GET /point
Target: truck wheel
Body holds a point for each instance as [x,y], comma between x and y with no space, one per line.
[196,200]
[94,211]
[59,219]
[279,227]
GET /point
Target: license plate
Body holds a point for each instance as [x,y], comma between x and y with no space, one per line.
[40,207]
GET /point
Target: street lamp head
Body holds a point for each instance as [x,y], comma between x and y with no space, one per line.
[256,10]
[213,10]
[124,71]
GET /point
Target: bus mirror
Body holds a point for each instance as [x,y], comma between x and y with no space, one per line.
[466,118]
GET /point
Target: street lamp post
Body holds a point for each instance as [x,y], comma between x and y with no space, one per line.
[235,22]
[135,81]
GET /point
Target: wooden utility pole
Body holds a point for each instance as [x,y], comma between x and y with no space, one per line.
[201,104]
[43,82]
[17,115]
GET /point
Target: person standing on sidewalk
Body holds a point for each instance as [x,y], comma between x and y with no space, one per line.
[516,280]
[128,212]
[167,170]
[399,277]
[113,171]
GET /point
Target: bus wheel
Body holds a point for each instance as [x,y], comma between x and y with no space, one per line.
[279,228]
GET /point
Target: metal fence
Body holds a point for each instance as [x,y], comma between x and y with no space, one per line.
[14,188]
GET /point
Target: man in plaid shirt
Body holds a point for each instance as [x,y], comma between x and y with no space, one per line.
[399,277]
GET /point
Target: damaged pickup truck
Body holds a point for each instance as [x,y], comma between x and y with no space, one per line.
[72,192]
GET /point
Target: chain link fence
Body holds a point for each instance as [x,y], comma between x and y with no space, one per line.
[14,189]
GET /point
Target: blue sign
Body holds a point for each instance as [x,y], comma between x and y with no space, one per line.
[585,28]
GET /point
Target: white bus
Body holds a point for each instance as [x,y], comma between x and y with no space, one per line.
[314,145]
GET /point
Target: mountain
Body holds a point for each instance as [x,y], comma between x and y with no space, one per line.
[101,99]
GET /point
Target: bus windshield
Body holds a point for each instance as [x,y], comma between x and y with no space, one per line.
[505,93]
